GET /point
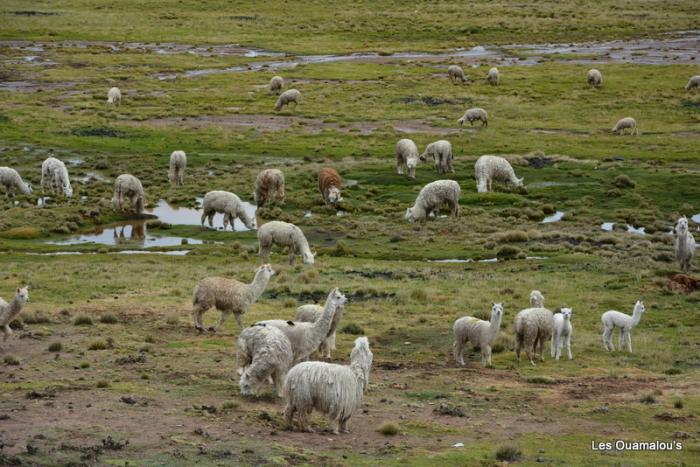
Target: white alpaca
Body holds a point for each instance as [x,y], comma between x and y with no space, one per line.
[441,151]
[54,177]
[406,157]
[228,296]
[307,337]
[455,72]
[178,163]
[334,390]
[478,332]
[114,96]
[533,327]
[312,313]
[562,331]
[276,84]
[229,204]
[494,77]
[614,319]
[490,168]
[263,352]
[685,245]
[9,311]
[287,97]
[284,234]
[12,182]
[627,123]
[594,78]
[431,197]
[536,299]
[128,187]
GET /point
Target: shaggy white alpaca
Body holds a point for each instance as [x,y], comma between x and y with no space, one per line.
[334,390]
[307,337]
[478,332]
[269,187]
[533,327]
[536,299]
[11,180]
[562,331]
[9,311]
[227,203]
[685,245]
[614,319]
[114,96]
[263,352]
[228,296]
[176,171]
[128,187]
[406,157]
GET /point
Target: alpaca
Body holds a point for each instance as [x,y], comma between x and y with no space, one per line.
[335,390]
[128,187]
[614,319]
[54,177]
[562,330]
[310,314]
[284,234]
[478,332]
[269,187]
[178,163]
[685,245]
[228,296]
[9,311]
[533,327]
[304,336]
[263,352]
[536,299]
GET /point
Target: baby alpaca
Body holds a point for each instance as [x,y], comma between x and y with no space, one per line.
[478,332]
[334,390]
[614,319]
[263,352]
[114,96]
[9,311]
[536,299]
[406,157]
[178,163]
[228,296]
[562,331]
[685,245]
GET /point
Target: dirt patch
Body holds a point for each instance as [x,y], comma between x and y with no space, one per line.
[94,131]
[433,101]
[33,13]
[271,123]
[683,283]
[604,388]
[539,162]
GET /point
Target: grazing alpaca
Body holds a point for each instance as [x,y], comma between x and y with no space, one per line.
[228,296]
[536,299]
[312,313]
[334,390]
[9,311]
[478,332]
[562,331]
[263,352]
[614,319]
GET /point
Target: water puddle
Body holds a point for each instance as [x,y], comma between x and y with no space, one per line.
[145,252]
[696,218]
[134,233]
[610,226]
[556,217]
[89,177]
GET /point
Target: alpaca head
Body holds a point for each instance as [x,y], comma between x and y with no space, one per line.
[334,195]
[566,313]
[536,299]
[410,215]
[308,257]
[639,307]
[246,385]
[336,297]
[22,294]
[682,226]
[266,271]
[519,182]
[461,121]
[68,190]
[497,311]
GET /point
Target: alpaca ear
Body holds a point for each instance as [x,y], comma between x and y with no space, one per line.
[17,289]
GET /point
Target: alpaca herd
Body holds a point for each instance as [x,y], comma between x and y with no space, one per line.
[277,351]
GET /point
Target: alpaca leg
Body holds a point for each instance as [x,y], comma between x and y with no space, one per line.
[239,319]
[204,216]
[289,416]
[553,350]
[458,351]
[7,332]
[197,313]
[304,416]
[486,355]
[621,339]
[629,340]
[607,339]
[344,425]
[541,344]
[292,255]
[279,383]
[518,344]
[222,320]
[334,424]
[568,346]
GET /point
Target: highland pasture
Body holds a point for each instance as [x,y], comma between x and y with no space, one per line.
[105,366]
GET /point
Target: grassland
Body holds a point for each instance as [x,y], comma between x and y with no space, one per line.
[74,390]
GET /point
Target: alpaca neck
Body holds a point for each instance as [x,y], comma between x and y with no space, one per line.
[494,326]
[683,240]
[636,316]
[15,305]
[257,287]
[359,372]
[323,324]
